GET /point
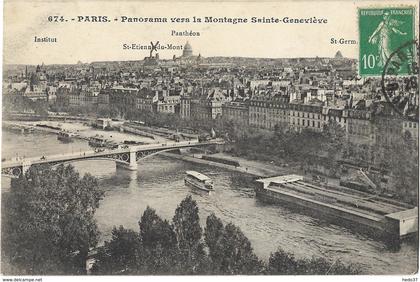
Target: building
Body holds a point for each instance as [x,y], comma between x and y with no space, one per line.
[146,100]
[52,94]
[187,51]
[237,112]
[103,99]
[123,99]
[103,123]
[306,116]
[36,92]
[412,128]
[359,127]
[62,100]
[168,104]
[277,112]
[339,115]
[206,106]
[185,107]
[258,112]
[206,109]
[83,98]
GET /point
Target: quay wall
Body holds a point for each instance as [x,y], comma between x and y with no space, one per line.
[215,164]
[136,131]
[39,128]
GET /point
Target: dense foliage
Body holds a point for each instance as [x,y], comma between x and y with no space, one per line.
[160,247]
[401,159]
[306,146]
[19,103]
[48,225]
[283,263]
[48,228]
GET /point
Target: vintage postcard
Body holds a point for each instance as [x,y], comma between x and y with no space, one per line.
[209,138]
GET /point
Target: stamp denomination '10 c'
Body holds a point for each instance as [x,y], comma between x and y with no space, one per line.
[382,31]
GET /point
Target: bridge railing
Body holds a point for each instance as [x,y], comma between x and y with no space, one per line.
[93,153]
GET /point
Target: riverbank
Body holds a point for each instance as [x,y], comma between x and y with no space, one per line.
[254,168]
[82,131]
[159,183]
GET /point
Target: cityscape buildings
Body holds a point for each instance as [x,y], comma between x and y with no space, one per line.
[292,94]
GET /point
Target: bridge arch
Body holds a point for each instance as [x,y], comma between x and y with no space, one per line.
[151,154]
[119,159]
[91,159]
[125,158]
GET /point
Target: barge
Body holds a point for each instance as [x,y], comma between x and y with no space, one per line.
[381,217]
[65,137]
[97,142]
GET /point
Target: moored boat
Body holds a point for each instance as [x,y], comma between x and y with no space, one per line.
[97,142]
[199,181]
[65,136]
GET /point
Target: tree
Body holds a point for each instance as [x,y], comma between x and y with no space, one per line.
[213,234]
[229,249]
[320,266]
[159,244]
[120,255]
[155,250]
[284,263]
[397,155]
[229,130]
[238,257]
[334,143]
[50,222]
[400,158]
[188,230]
[40,108]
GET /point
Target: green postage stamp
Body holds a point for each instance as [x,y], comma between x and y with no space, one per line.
[382,32]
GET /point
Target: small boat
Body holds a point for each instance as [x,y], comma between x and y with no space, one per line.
[199,181]
[65,136]
[130,142]
[97,142]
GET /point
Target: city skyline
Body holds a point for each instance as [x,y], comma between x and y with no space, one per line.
[169,59]
[104,41]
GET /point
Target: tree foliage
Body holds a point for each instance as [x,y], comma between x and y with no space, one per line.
[50,226]
[18,102]
[284,263]
[120,255]
[159,244]
[401,159]
[213,234]
[188,230]
[306,146]
[238,256]
[333,143]
[179,248]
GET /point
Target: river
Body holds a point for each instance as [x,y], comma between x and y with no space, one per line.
[158,183]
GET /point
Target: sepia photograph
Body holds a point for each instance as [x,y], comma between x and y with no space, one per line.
[274,138]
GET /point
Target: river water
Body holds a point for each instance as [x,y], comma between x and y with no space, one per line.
[158,183]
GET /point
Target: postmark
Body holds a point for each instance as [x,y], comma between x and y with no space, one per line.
[401,91]
[381,32]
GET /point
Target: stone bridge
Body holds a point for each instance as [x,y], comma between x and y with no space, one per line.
[126,158]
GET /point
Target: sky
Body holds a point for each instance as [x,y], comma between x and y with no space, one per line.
[87,41]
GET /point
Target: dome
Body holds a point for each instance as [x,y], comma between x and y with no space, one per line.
[187,52]
[187,46]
